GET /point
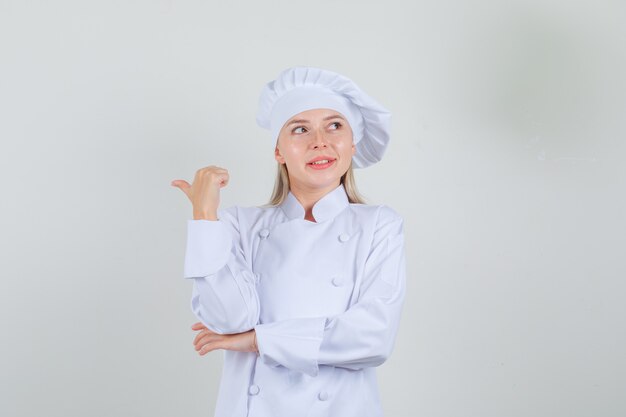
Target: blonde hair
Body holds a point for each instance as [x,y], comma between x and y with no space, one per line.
[281,186]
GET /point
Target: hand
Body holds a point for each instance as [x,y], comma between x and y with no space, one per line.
[207,340]
[204,193]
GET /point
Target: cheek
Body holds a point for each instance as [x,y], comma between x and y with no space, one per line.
[294,153]
[346,149]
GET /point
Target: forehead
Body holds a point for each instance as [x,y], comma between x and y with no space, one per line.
[315,113]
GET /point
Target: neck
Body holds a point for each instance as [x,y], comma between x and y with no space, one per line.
[309,196]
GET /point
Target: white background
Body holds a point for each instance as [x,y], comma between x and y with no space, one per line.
[507,163]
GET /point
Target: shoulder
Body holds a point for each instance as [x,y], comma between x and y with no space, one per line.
[382,221]
[381,213]
[245,214]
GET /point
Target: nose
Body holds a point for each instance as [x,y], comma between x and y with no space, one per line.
[319,140]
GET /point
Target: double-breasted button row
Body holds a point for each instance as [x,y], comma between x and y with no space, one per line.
[343,237]
[254,390]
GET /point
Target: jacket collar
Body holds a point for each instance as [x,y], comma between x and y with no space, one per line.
[325,208]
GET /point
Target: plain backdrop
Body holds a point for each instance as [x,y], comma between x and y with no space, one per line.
[506,161]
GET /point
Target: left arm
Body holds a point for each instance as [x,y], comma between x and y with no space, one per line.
[362,336]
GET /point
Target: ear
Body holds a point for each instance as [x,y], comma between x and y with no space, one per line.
[278,156]
[353,148]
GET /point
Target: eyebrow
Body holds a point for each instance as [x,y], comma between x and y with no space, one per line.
[334,116]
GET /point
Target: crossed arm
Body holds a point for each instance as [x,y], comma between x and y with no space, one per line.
[225,300]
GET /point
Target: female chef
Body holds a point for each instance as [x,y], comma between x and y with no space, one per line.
[304,295]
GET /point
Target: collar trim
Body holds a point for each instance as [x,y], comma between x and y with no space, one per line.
[324,209]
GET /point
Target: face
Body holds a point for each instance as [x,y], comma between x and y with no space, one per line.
[313,135]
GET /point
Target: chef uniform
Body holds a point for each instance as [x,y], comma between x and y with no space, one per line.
[324,297]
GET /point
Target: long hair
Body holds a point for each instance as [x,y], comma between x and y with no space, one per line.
[281,186]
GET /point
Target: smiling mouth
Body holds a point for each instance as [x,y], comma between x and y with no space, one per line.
[321,164]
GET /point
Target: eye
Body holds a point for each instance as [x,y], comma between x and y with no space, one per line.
[336,123]
[299,127]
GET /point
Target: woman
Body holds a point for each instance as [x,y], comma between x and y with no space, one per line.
[304,295]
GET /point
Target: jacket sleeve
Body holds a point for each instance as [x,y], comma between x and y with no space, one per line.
[224,296]
[362,336]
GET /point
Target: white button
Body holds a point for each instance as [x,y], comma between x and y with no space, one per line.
[254,389]
[337,281]
[343,237]
[323,395]
[264,233]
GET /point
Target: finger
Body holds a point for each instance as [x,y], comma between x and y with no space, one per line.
[198,326]
[221,177]
[182,184]
[206,349]
[177,183]
[210,171]
[199,336]
[213,168]
[204,333]
[204,338]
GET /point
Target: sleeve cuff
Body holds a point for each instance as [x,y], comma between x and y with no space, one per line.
[209,245]
[293,343]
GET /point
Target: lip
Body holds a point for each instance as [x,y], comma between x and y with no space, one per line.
[317,158]
[321,166]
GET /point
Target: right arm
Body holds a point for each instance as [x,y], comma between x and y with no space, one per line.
[224,296]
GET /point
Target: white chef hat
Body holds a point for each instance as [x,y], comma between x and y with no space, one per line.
[298,89]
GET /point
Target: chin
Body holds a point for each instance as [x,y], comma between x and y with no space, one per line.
[325,183]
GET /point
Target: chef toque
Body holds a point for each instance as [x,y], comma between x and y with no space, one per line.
[298,89]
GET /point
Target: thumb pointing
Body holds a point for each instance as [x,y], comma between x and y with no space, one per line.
[182,184]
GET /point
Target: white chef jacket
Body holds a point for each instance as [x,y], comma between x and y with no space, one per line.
[324,298]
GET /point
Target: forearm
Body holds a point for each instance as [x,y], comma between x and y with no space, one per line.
[226,303]
[224,296]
